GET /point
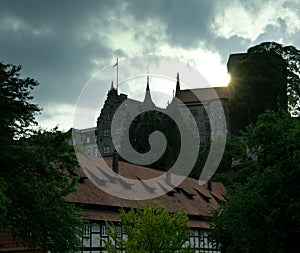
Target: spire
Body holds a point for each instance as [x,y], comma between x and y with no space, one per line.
[147,88]
[177,86]
[112,89]
[112,85]
[148,99]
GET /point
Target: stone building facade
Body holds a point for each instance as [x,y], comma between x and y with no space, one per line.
[205,111]
[103,130]
[129,108]
[201,110]
[204,106]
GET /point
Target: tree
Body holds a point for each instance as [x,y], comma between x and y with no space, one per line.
[267,77]
[150,229]
[262,214]
[149,122]
[36,171]
[234,164]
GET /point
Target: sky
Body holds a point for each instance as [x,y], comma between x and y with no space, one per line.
[64,44]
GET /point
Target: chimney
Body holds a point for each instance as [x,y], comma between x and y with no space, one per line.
[168,178]
[209,185]
[115,162]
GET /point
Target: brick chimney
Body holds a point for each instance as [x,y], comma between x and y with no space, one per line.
[115,162]
[168,178]
[209,185]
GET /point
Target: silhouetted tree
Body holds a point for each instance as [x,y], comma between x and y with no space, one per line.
[35,171]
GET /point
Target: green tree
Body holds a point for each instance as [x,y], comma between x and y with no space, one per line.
[263,214]
[267,77]
[150,229]
[234,164]
[36,171]
[151,121]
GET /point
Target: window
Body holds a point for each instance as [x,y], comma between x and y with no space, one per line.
[104,230]
[88,150]
[106,150]
[118,131]
[86,231]
[119,231]
[199,241]
[194,112]
[88,139]
[95,151]
[106,132]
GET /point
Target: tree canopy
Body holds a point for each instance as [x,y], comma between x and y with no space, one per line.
[262,207]
[36,171]
[267,77]
[262,214]
[150,229]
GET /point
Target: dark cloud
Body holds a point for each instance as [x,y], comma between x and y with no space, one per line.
[273,33]
[63,43]
[46,42]
[225,47]
[187,22]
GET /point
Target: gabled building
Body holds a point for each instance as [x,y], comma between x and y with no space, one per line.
[202,102]
[87,138]
[100,206]
[111,105]
[103,132]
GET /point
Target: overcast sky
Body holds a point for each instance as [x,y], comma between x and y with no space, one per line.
[63,44]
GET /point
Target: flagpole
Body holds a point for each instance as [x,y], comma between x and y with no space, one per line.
[117,74]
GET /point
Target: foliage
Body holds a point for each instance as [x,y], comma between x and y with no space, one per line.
[149,122]
[263,214]
[150,229]
[235,149]
[235,166]
[36,171]
[267,77]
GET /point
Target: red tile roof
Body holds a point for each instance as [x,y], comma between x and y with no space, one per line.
[189,196]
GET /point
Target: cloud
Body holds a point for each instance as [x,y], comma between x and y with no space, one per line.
[186,23]
[63,43]
[49,41]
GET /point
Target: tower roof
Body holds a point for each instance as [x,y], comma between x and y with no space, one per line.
[148,100]
[112,85]
[177,85]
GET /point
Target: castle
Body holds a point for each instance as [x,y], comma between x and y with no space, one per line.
[201,110]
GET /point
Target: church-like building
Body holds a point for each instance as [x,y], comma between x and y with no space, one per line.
[201,110]
[128,109]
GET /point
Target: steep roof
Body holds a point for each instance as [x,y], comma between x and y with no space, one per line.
[189,196]
[204,95]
